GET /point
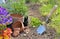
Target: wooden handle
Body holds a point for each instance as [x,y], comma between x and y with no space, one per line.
[51,12]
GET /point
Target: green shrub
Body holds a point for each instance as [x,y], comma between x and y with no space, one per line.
[47,6]
[52,2]
[32,1]
[43,1]
[27,1]
[45,9]
[55,21]
[19,7]
[35,22]
[58,2]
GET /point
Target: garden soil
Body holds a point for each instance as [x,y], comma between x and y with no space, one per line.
[49,34]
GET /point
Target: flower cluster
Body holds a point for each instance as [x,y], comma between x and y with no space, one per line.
[6,34]
[5,17]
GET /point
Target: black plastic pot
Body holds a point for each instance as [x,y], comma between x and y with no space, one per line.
[25,21]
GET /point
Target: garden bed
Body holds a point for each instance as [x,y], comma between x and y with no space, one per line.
[49,34]
[31,17]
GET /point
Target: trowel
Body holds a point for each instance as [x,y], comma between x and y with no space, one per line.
[42,28]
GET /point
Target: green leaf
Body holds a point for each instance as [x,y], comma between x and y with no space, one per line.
[35,21]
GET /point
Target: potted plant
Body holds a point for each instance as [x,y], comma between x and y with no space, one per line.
[20,7]
[18,12]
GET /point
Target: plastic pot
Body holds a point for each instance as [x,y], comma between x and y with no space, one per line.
[25,21]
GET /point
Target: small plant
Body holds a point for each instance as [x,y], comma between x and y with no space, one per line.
[19,7]
[35,22]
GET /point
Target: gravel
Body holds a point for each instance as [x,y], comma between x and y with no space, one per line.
[49,34]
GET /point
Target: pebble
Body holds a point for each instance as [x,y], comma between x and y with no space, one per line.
[24,35]
[27,31]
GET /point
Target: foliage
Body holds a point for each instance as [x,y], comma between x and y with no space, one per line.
[43,1]
[37,1]
[2,27]
[27,1]
[32,1]
[57,2]
[19,7]
[45,9]
[56,20]
[35,22]
[52,2]
[47,6]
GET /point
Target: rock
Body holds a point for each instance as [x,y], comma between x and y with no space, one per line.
[27,30]
[24,35]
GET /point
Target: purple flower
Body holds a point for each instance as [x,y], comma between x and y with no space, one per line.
[3,11]
[0,22]
[4,16]
[10,19]
[4,20]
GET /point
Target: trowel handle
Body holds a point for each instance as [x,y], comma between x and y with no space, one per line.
[51,12]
